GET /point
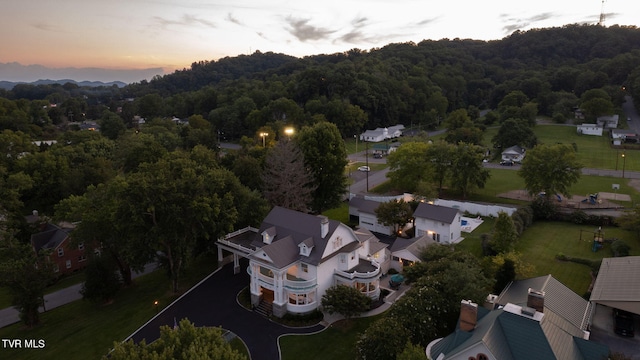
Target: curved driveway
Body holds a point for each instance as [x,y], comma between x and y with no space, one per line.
[213,303]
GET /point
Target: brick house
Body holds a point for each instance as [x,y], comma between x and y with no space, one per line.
[56,243]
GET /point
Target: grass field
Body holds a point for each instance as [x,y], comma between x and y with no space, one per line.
[83,330]
[593,151]
[336,342]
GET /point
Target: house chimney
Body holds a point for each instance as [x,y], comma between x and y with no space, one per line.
[468,315]
[535,300]
[324,226]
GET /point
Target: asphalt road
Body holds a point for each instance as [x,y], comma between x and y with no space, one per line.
[631,113]
[61,297]
[213,303]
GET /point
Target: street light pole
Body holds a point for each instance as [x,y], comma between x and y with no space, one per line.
[264,135]
[624,160]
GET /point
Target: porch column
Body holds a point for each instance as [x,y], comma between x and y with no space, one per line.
[220,256]
[279,301]
[236,264]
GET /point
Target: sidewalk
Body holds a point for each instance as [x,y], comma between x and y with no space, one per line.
[10,315]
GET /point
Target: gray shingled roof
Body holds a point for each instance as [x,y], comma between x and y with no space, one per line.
[414,246]
[364,205]
[50,238]
[298,227]
[436,212]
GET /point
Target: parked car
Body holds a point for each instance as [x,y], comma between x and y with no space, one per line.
[377,156]
[623,323]
[506,163]
[364,168]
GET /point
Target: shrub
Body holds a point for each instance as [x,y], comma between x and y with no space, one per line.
[578,217]
[544,209]
[620,248]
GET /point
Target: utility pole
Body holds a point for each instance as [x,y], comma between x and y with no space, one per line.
[366,154]
[602,16]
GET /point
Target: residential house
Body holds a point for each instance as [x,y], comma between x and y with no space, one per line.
[295,257]
[589,129]
[55,242]
[385,148]
[364,211]
[406,252]
[514,153]
[608,121]
[382,134]
[443,224]
[537,319]
[620,136]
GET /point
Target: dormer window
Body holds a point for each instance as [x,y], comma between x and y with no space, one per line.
[268,235]
[306,247]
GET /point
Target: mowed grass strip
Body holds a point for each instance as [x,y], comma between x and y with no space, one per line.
[337,342]
[83,330]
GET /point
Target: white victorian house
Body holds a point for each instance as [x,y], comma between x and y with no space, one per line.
[443,224]
[295,257]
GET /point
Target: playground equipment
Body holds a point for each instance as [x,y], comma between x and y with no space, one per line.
[598,238]
[591,199]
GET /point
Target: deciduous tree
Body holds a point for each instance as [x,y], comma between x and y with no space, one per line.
[184,342]
[396,213]
[467,172]
[345,300]
[551,169]
[325,157]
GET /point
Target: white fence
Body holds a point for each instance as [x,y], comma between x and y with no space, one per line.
[473,208]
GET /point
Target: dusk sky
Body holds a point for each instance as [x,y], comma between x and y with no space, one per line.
[164,35]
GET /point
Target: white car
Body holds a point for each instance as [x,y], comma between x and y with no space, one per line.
[364,168]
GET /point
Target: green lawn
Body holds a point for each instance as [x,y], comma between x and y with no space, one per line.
[544,240]
[593,151]
[336,342]
[77,278]
[82,330]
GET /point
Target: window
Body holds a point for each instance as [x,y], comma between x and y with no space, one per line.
[68,264]
[81,246]
[305,268]
[343,258]
[60,252]
[82,258]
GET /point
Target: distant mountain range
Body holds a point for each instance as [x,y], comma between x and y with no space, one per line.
[8,85]
[14,72]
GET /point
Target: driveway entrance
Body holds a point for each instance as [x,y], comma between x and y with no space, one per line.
[213,303]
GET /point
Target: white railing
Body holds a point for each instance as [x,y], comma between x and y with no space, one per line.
[236,246]
[238,232]
[360,275]
[300,284]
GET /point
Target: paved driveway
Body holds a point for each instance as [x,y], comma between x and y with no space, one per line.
[213,303]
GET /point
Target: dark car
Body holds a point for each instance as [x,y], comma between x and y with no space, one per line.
[506,163]
[377,156]
[623,323]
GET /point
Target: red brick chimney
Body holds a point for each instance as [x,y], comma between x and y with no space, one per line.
[535,300]
[468,315]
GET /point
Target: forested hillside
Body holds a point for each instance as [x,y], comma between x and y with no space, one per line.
[404,83]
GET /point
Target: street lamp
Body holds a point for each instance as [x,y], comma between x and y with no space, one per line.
[289,131]
[263,135]
[623,163]
[155,304]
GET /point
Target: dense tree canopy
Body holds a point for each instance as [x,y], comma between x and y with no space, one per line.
[551,169]
[325,157]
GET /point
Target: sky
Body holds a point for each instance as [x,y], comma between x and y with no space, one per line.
[136,39]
